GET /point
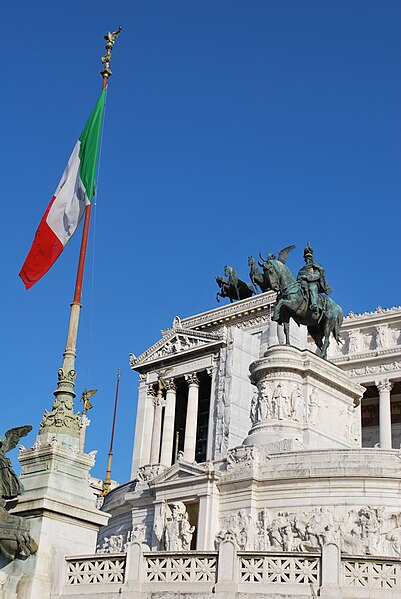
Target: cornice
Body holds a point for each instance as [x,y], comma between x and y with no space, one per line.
[237,311]
[367,356]
[353,318]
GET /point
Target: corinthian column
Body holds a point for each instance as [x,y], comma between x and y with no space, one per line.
[168,425]
[192,417]
[384,388]
[158,403]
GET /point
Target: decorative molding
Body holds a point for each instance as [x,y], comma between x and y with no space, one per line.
[344,359]
[245,456]
[231,312]
[175,341]
[149,472]
[374,369]
[378,312]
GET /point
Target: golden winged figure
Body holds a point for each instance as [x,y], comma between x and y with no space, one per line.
[110,40]
[85,398]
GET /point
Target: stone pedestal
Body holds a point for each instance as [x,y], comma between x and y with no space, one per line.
[60,508]
[302,402]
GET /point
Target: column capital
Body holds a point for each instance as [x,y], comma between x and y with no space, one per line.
[192,379]
[159,401]
[150,391]
[169,385]
[384,385]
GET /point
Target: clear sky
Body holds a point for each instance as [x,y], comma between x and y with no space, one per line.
[232,127]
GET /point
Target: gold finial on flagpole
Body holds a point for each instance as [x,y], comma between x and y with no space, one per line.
[110,41]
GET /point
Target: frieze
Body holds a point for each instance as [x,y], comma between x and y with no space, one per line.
[230,312]
[364,531]
[253,322]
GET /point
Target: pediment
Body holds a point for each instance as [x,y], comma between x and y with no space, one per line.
[176,341]
[179,471]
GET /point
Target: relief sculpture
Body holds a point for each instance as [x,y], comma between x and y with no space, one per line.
[366,531]
[281,404]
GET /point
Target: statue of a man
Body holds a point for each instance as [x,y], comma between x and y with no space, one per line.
[313,277]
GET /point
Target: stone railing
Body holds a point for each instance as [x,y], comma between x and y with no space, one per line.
[171,567]
[360,574]
[228,571]
[279,568]
[97,569]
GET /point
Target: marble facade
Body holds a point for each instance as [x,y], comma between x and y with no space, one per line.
[258,468]
[284,458]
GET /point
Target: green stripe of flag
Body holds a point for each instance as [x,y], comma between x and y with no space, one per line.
[90,139]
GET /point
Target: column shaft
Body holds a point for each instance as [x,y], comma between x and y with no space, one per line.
[384,388]
[156,431]
[168,425]
[191,424]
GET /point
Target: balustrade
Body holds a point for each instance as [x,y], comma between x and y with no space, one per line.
[252,572]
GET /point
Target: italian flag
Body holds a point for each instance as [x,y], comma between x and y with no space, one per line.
[74,192]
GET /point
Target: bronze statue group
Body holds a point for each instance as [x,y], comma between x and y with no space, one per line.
[305,299]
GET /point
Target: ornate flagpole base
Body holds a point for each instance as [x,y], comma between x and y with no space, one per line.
[61,422]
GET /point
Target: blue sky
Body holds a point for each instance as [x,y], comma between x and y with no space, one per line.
[232,127]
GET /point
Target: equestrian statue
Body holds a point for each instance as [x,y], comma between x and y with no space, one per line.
[305,299]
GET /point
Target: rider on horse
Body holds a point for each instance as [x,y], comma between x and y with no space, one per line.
[313,279]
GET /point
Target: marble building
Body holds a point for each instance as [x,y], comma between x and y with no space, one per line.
[258,468]
[245,444]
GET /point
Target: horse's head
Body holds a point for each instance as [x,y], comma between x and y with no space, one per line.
[272,269]
[251,261]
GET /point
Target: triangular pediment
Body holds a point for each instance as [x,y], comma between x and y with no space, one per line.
[179,471]
[176,341]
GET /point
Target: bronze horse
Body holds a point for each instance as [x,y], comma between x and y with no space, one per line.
[293,302]
[233,287]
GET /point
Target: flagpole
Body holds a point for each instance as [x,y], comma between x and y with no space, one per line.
[107,480]
[62,419]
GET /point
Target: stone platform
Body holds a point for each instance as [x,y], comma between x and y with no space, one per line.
[301,401]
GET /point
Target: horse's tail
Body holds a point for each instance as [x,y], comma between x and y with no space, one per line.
[337,325]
